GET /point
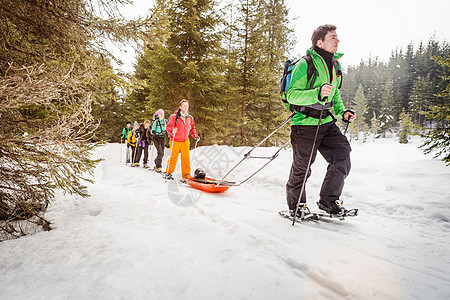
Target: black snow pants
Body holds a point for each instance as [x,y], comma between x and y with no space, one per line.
[139,150]
[333,146]
[133,154]
[159,145]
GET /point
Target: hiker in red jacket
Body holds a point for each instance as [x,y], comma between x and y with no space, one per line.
[180,125]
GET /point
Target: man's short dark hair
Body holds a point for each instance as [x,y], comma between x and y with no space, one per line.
[320,33]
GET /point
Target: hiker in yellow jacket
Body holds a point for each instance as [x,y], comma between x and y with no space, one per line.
[131,140]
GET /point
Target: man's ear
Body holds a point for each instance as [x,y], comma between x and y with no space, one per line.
[319,43]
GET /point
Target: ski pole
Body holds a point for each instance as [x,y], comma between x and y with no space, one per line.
[307,168]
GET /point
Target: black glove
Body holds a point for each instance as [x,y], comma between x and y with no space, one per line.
[350,111]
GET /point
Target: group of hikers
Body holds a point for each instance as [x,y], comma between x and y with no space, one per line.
[312,94]
[139,137]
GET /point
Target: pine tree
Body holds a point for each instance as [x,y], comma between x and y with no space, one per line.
[349,85]
[402,77]
[186,66]
[278,45]
[437,140]
[259,43]
[406,126]
[387,114]
[250,33]
[353,131]
[421,97]
[375,126]
[400,83]
[360,109]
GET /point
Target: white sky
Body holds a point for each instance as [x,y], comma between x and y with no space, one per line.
[365,28]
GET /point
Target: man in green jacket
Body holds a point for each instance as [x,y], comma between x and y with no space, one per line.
[314,124]
[124,135]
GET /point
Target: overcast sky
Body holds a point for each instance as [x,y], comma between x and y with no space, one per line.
[365,28]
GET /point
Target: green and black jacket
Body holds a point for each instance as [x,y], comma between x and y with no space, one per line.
[300,94]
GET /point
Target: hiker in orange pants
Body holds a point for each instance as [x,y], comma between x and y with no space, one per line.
[180,125]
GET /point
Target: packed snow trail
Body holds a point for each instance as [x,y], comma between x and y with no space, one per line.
[138,237]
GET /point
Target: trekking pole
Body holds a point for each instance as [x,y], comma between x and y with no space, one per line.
[346,127]
[171,149]
[121,138]
[247,155]
[128,155]
[135,153]
[153,148]
[348,120]
[307,168]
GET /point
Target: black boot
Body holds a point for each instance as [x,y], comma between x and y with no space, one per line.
[336,208]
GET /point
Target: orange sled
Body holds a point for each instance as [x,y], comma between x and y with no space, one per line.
[209,185]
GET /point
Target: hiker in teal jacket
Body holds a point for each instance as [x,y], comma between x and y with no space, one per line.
[315,107]
[159,133]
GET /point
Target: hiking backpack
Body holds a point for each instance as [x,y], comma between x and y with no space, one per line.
[287,74]
[311,72]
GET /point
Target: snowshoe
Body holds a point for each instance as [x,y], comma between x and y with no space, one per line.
[301,212]
[336,210]
[303,215]
[135,165]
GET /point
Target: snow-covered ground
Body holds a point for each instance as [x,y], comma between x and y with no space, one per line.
[138,237]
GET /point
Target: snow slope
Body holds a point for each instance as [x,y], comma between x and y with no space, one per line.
[138,237]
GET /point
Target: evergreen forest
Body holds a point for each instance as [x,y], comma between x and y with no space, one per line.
[228,61]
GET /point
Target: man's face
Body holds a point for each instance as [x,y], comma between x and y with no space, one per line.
[146,125]
[129,125]
[330,42]
[184,107]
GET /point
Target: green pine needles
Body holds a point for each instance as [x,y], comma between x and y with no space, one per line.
[54,68]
